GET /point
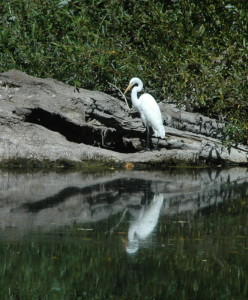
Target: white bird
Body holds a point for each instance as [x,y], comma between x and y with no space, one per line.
[148,108]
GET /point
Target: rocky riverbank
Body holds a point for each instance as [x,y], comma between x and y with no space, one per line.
[46,122]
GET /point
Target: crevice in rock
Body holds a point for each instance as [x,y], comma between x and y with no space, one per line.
[89,135]
[9,84]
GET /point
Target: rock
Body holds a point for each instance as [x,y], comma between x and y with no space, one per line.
[44,119]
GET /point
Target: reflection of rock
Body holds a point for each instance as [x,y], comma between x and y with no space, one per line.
[144,224]
[34,200]
[211,188]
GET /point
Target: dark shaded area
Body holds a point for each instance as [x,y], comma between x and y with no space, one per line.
[88,135]
[55,122]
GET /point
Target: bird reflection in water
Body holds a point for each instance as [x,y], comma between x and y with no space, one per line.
[144,224]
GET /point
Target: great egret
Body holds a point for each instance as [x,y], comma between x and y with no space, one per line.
[148,108]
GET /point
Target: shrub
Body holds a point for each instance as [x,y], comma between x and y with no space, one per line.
[184,50]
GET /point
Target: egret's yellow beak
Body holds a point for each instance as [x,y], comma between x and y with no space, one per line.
[128,88]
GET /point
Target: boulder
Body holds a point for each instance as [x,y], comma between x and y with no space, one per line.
[47,120]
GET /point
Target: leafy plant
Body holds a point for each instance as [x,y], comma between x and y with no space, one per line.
[185,50]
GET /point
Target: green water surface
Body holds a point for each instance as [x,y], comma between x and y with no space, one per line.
[188,256]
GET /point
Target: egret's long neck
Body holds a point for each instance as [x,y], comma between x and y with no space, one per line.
[134,94]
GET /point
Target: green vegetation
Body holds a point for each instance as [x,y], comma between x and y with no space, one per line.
[94,165]
[184,50]
[86,165]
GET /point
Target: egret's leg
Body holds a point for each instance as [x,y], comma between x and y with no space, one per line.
[156,147]
[147,138]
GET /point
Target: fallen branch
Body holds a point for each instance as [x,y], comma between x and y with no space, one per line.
[120,93]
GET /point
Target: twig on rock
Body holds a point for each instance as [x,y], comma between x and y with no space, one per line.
[120,93]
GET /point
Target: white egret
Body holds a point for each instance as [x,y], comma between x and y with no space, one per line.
[148,108]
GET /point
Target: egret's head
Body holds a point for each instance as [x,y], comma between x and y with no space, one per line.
[132,82]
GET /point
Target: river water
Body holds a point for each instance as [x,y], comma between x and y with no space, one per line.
[174,234]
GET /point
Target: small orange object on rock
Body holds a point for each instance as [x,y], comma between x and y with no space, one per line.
[129,166]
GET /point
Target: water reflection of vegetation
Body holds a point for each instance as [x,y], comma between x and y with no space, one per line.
[200,257]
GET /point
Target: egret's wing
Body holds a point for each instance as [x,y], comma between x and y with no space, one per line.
[151,114]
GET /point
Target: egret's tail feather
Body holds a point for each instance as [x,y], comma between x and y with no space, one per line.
[160,132]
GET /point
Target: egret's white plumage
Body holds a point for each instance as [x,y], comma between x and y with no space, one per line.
[148,108]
